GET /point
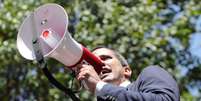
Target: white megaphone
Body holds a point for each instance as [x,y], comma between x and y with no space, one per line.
[49,24]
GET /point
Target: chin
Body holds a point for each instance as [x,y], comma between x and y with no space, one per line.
[108,79]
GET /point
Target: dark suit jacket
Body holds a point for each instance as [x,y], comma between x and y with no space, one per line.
[153,84]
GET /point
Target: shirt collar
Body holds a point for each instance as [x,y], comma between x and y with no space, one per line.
[125,83]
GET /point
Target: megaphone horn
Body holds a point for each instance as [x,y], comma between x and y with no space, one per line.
[50,25]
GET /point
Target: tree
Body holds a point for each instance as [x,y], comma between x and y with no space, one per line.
[146,32]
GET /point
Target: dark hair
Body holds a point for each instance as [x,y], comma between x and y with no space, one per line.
[117,54]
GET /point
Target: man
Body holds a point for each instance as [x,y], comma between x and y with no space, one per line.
[112,84]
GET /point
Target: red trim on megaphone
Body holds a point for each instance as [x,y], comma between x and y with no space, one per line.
[91,59]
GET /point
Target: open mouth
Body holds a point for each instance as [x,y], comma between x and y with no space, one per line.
[104,72]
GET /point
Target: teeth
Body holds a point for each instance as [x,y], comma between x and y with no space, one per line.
[105,71]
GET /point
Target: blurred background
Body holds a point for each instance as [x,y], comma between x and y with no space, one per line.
[146,32]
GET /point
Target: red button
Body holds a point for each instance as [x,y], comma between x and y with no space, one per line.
[46,33]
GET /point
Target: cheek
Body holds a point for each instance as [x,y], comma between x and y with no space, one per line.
[113,62]
[115,65]
[116,68]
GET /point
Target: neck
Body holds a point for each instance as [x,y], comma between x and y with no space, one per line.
[125,83]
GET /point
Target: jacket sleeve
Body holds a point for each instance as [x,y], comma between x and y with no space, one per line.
[153,84]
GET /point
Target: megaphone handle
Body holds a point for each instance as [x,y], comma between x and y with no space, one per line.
[84,84]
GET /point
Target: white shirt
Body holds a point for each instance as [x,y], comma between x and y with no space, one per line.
[100,85]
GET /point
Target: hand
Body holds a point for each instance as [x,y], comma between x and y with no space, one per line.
[89,75]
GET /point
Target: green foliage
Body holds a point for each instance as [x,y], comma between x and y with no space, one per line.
[141,30]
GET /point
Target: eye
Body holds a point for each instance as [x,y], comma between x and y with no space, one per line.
[105,57]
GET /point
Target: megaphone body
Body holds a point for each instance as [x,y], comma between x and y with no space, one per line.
[49,24]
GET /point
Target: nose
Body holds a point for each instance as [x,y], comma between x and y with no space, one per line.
[105,65]
[102,62]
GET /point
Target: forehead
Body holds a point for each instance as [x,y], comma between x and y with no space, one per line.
[103,51]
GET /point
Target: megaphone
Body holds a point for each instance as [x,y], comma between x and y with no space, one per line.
[49,24]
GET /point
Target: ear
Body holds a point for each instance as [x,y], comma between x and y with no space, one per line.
[127,72]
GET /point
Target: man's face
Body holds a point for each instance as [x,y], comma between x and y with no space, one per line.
[113,71]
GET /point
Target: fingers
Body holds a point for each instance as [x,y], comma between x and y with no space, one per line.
[87,74]
[83,72]
[77,68]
